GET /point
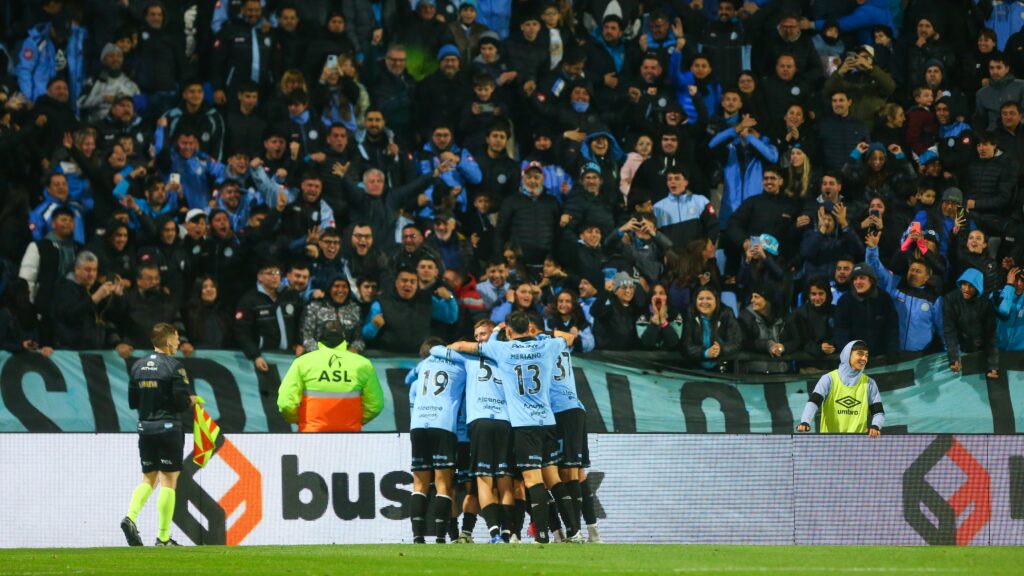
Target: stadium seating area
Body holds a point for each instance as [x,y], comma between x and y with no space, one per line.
[743,185]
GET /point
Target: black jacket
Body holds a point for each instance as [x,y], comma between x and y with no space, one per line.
[137,313]
[78,322]
[969,326]
[532,222]
[615,323]
[773,214]
[724,329]
[872,319]
[256,324]
[816,326]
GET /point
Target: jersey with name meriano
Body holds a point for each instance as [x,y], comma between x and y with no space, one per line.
[436,393]
[526,368]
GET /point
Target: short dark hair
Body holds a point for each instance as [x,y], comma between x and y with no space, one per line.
[518,322]
[428,344]
[860,345]
[997,56]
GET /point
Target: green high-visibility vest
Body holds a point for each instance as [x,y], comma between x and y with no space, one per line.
[846,408]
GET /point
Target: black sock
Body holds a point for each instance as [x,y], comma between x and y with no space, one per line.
[468,522]
[573,486]
[519,519]
[539,511]
[490,515]
[553,524]
[589,514]
[442,515]
[506,518]
[418,513]
[567,509]
[453,529]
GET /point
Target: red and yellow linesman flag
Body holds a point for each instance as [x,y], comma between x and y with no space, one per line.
[204,434]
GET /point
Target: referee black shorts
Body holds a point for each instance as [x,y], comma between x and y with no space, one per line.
[535,447]
[161,445]
[490,447]
[572,435]
[432,449]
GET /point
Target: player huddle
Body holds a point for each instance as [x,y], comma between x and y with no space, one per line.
[527,443]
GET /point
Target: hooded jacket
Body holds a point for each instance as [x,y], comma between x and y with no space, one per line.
[37,62]
[919,309]
[871,318]
[970,325]
[848,376]
[1010,320]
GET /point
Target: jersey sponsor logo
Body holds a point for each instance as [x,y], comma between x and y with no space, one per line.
[848,402]
[334,376]
[150,366]
[148,384]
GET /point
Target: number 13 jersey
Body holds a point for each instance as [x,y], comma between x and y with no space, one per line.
[526,368]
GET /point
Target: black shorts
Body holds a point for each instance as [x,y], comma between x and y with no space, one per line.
[572,434]
[535,447]
[432,448]
[462,474]
[161,446]
[490,443]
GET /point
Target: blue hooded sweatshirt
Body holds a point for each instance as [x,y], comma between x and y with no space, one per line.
[863,19]
[1010,320]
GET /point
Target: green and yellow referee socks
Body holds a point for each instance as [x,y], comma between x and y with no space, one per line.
[139,497]
[165,508]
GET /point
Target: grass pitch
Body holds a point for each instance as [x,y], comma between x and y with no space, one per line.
[526,560]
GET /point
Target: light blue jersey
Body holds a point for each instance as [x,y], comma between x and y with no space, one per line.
[485,396]
[526,368]
[437,387]
[563,385]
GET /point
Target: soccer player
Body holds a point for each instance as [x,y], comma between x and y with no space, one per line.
[847,397]
[571,422]
[464,478]
[526,366]
[490,439]
[159,389]
[437,386]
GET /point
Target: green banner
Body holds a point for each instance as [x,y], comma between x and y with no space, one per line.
[87,392]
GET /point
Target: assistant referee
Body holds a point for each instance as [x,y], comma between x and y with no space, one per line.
[160,390]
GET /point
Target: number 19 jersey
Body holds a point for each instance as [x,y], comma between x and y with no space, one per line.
[436,393]
[526,368]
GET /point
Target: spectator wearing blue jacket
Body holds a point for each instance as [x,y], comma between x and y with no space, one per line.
[918,306]
[1010,313]
[697,77]
[495,14]
[682,215]
[458,171]
[52,49]
[969,323]
[746,151]
[863,19]
[55,195]
[195,170]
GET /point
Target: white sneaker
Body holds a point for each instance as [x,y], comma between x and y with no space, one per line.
[594,537]
[513,539]
[577,538]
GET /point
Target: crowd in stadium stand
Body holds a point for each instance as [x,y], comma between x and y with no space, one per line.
[767,179]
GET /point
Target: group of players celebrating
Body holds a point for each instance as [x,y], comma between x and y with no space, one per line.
[527,442]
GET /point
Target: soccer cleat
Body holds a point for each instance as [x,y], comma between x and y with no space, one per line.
[464,538]
[576,538]
[168,542]
[513,539]
[131,532]
[557,536]
[594,535]
[497,539]
[419,540]
[531,530]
